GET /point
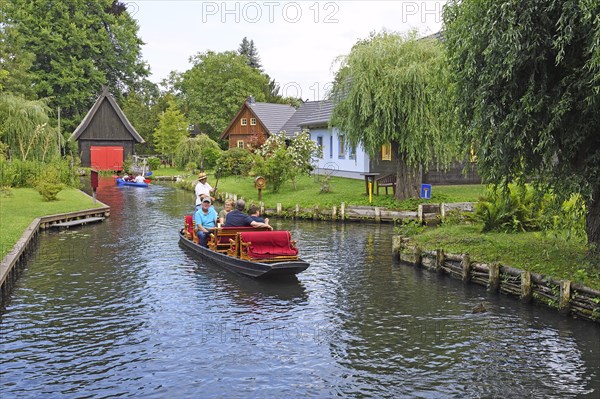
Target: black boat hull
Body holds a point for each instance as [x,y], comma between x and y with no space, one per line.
[245,267]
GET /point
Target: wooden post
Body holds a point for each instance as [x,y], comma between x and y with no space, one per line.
[466,268]
[316,212]
[526,292]
[439,260]
[564,302]
[262,208]
[494,281]
[420,213]
[377,215]
[279,209]
[297,211]
[417,254]
[334,213]
[342,211]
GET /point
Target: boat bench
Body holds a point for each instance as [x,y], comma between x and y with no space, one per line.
[189,228]
[267,246]
[386,181]
[222,239]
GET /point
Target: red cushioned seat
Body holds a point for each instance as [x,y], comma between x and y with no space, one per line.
[189,225]
[268,244]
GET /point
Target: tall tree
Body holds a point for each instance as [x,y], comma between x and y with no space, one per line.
[142,107]
[215,87]
[248,50]
[394,88]
[79,46]
[172,129]
[528,79]
[15,60]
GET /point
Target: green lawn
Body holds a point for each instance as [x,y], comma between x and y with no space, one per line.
[307,193]
[532,251]
[23,205]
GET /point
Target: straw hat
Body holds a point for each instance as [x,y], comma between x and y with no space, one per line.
[202,175]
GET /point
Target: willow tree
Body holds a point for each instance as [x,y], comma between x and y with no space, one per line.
[393,88]
[528,77]
[25,131]
[200,150]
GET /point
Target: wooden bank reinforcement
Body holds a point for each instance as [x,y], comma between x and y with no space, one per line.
[564,296]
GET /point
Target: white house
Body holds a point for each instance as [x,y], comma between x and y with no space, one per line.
[337,157]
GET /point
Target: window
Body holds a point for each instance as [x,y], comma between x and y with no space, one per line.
[240,144]
[352,154]
[253,121]
[244,121]
[320,145]
[341,146]
[386,152]
[330,146]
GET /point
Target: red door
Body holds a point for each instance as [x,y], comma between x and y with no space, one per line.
[106,158]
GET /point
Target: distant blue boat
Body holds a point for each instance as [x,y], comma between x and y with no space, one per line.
[121,182]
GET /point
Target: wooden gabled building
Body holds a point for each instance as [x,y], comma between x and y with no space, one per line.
[255,122]
[105,137]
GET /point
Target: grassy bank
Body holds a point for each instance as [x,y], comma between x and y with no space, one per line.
[533,251]
[23,205]
[307,193]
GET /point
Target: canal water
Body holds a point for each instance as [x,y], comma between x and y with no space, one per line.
[119,309]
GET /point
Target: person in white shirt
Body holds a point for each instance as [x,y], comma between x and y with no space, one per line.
[203,189]
[139,179]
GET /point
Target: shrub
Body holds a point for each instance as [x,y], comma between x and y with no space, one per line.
[49,191]
[516,208]
[522,208]
[48,182]
[154,163]
[234,162]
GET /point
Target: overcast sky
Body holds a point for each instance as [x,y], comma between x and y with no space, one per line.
[297,41]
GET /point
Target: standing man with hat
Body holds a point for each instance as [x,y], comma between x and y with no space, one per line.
[203,189]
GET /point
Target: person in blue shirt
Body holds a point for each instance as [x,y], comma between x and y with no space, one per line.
[206,220]
[237,217]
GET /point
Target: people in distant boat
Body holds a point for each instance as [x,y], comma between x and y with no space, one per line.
[203,189]
[206,220]
[226,210]
[139,179]
[126,177]
[237,217]
[254,213]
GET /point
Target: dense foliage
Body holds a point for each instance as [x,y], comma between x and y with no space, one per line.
[527,75]
[66,50]
[395,89]
[172,129]
[201,151]
[234,162]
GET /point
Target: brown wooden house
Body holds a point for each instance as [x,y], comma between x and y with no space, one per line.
[254,122]
[105,137]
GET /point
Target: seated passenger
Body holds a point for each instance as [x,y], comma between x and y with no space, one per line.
[139,179]
[237,217]
[226,210]
[206,220]
[254,213]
